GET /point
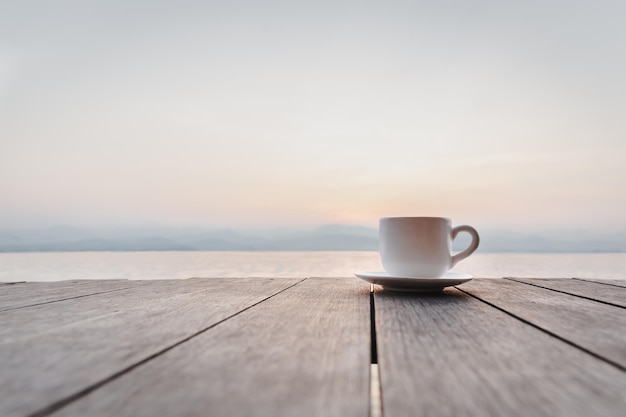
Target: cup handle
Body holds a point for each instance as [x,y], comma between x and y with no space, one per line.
[470,249]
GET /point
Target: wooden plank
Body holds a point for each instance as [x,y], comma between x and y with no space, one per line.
[53,351]
[597,327]
[305,352]
[591,290]
[453,355]
[612,282]
[29,294]
[43,319]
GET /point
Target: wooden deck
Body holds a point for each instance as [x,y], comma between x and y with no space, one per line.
[312,347]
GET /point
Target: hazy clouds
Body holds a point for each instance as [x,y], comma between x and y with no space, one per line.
[301,113]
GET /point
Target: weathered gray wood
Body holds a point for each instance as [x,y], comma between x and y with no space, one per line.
[596,291]
[594,326]
[43,319]
[453,355]
[28,294]
[305,352]
[612,282]
[52,351]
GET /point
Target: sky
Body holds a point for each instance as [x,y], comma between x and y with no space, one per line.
[504,115]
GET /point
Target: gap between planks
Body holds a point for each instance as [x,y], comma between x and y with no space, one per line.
[550,333]
[56,406]
[605,282]
[567,292]
[64,299]
[376,396]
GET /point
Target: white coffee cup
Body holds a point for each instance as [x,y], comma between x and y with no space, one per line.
[421,246]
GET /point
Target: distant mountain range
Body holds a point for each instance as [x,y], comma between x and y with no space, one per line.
[327,238]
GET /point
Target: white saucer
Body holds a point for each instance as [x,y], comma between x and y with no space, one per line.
[398,283]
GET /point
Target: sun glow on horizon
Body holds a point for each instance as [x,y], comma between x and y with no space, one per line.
[505,116]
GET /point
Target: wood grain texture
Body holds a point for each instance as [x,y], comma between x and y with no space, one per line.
[612,282]
[594,326]
[591,290]
[304,352]
[32,293]
[44,319]
[52,351]
[453,355]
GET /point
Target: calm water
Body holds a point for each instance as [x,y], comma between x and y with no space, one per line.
[170,265]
